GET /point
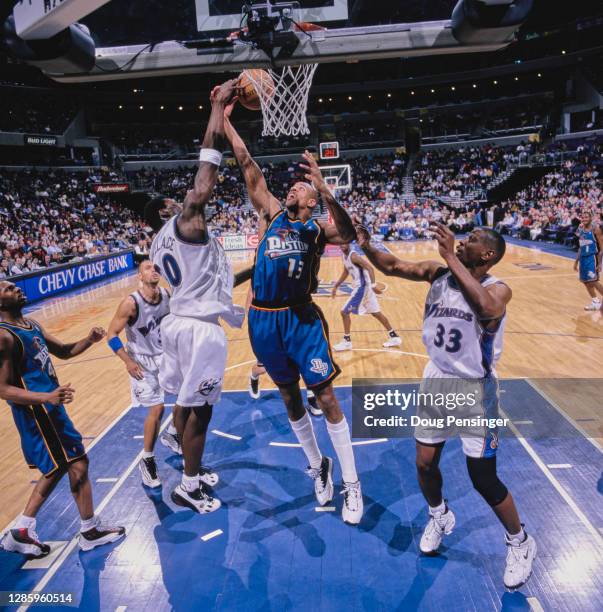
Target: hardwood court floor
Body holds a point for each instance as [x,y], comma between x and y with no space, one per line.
[548,338]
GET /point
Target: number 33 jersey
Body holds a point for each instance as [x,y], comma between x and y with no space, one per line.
[455,339]
[287,262]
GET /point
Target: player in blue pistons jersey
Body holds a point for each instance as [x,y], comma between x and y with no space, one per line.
[588,261]
[288,332]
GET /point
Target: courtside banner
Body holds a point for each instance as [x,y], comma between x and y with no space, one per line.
[57,280]
[40,140]
[237,242]
[111,188]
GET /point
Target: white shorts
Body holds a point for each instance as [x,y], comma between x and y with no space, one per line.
[194,359]
[146,392]
[477,441]
[362,301]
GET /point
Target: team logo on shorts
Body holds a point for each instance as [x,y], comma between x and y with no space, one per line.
[319,367]
[207,386]
[591,274]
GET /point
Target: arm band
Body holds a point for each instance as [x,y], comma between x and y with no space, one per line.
[210,155]
[115,344]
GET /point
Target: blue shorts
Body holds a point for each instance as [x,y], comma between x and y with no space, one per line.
[293,341]
[588,269]
[48,438]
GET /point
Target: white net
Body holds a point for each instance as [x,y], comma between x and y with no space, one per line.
[284,104]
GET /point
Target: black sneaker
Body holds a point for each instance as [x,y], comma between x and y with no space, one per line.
[313,407]
[197,500]
[26,542]
[254,387]
[208,476]
[172,441]
[323,480]
[99,535]
[148,471]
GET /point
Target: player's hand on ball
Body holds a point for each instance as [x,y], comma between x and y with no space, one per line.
[61,395]
[96,334]
[445,239]
[224,93]
[363,238]
[134,370]
[311,169]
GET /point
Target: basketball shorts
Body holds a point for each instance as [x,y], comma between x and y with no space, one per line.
[291,342]
[194,359]
[362,301]
[146,392]
[478,441]
[49,440]
[588,269]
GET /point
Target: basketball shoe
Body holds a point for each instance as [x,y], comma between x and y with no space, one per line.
[148,471]
[440,524]
[100,534]
[594,305]
[254,387]
[172,441]
[520,557]
[323,480]
[313,407]
[392,341]
[353,505]
[208,476]
[197,500]
[26,542]
[344,345]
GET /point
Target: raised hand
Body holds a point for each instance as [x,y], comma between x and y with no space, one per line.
[445,239]
[312,171]
[96,334]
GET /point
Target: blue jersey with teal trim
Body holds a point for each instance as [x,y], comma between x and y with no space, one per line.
[588,242]
[287,260]
[33,368]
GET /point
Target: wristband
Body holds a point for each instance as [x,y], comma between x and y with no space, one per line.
[210,155]
[115,344]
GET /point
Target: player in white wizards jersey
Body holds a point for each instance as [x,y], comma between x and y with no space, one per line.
[141,313]
[194,343]
[462,332]
[363,299]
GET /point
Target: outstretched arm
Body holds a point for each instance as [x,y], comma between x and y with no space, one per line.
[242,276]
[341,231]
[191,222]
[73,349]
[390,265]
[261,198]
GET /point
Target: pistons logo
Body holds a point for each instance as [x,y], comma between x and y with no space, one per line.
[207,386]
[319,367]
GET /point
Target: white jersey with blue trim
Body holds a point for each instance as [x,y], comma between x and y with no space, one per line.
[455,340]
[199,274]
[360,276]
[142,332]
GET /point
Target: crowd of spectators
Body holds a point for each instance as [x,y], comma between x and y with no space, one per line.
[52,217]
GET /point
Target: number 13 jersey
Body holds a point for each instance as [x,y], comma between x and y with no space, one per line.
[456,341]
[287,262]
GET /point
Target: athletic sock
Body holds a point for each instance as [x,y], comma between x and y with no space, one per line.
[304,432]
[88,524]
[517,538]
[25,522]
[392,333]
[254,377]
[441,508]
[340,437]
[147,454]
[347,337]
[190,483]
[171,429]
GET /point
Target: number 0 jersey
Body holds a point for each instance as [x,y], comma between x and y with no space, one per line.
[454,338]
[199,274]
[287,262]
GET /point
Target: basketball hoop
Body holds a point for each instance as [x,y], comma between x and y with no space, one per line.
[284,107]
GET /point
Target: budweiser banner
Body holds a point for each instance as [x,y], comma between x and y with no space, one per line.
[111,188]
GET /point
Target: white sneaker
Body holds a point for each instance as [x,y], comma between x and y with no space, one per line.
[353,505]
[323,481]
[254,387]
[313,406]
[197,500]
[520,558]
[99,535]
[26,542]
[594,305]
[439,524]
[172,442]
[148,471]
[392,341]
[344,345]
[208,476]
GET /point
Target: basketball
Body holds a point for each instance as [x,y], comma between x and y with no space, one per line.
[249,81]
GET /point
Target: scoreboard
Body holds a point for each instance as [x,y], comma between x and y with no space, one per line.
[329,150]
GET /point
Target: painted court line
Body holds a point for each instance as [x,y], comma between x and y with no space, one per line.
[226,435]
[74,541]
[564,414]
[107,479]
[365,442]
[45,562]
[324,509]
[286,444]
[559,466]
[523,422]
[138,437]
[598,539]
[534,604]
[121,608]
[212,534]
